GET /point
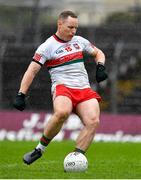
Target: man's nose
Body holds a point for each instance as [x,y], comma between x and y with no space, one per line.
[73,31]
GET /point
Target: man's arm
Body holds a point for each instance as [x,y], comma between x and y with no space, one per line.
[99,56]
[33,69]
[28,77]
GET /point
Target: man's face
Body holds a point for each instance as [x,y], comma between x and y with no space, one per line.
[67,28]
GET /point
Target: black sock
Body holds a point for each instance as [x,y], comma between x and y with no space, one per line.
[79,150]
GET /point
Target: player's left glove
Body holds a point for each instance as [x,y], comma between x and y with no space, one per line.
[19,102]
[101,75]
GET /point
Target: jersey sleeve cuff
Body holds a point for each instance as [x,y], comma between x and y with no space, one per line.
[37,62]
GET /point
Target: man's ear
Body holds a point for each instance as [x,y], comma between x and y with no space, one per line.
[59,22]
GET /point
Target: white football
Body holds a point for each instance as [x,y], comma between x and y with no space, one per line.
[75,162]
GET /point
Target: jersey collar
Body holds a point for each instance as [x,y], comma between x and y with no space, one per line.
[58,39]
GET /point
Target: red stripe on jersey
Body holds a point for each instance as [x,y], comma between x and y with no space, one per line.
[37,57]
[64,59]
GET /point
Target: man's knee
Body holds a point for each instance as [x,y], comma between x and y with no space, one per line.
[61,115]
[92,123]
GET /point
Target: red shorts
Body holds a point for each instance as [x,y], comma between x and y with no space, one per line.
[76,95]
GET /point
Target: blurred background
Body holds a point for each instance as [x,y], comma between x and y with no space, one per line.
[113,26]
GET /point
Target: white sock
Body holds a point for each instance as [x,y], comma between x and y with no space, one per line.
[40,146]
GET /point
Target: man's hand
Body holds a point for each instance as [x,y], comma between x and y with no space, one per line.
[19,102]
[101,75]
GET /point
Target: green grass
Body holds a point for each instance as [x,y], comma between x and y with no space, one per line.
[106,161]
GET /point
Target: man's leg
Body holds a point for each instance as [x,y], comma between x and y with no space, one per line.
[88,111]
[62,109]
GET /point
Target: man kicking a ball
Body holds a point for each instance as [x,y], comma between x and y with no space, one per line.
[62,54]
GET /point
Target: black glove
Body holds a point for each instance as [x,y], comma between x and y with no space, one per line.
[101,75]
[19,102]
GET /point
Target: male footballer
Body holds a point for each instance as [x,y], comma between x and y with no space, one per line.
[62,54]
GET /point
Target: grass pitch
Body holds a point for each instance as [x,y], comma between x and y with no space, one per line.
[106,161]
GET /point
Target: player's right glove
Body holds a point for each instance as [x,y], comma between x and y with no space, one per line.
[19,102]
[101,75]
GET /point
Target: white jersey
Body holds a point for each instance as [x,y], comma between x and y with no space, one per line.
[65,61]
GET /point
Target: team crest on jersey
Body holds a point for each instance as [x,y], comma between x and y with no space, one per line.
[76,46]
